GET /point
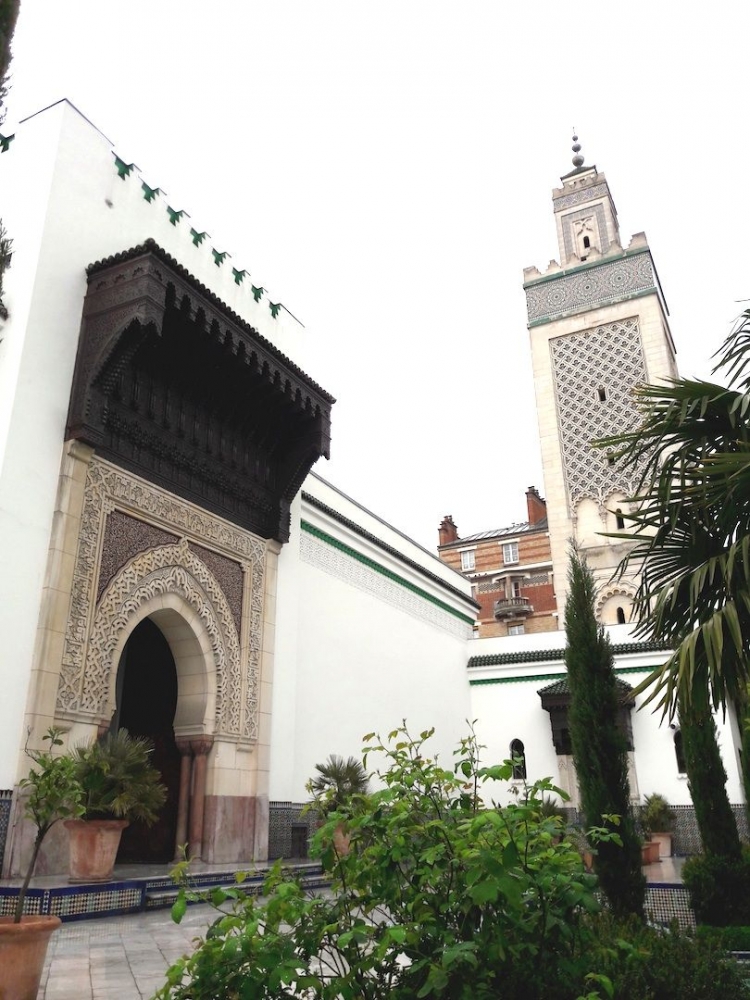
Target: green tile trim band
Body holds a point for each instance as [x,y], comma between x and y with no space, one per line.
[366,561]
[546,677]
[536,655]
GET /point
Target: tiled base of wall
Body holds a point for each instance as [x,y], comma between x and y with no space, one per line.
[665,903]
[686,839]
[6,800]
[289,830]
[79,902]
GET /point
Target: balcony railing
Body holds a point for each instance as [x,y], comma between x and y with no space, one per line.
[513,607]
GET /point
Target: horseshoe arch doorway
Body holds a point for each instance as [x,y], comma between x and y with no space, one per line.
[146,700]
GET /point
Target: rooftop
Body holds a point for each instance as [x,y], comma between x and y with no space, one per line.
[521,528]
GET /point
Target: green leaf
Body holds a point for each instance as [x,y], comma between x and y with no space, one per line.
[178,908]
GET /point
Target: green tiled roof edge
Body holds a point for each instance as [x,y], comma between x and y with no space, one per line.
[476,682]
[537,655]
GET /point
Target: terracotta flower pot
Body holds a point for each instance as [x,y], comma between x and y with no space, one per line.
[664,840]
[649,852]
[93,848]
[22,950]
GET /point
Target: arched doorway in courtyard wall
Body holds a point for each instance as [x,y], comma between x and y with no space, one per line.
[146,702]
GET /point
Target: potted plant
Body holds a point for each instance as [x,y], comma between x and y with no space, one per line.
[337,782]
[119,784]
[658,822]
[52,793]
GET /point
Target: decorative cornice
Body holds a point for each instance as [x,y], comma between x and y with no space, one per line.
[589,286]
[323,536]
[152,247]
[580,196]
[551,655]
[363,533]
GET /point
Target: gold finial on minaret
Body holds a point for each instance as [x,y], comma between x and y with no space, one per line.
[578,158]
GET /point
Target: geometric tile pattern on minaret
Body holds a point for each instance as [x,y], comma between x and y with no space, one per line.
[595,372]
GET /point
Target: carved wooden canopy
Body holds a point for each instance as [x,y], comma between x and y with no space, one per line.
[556,700]
[173,385]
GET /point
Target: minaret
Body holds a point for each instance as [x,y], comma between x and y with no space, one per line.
[598,327]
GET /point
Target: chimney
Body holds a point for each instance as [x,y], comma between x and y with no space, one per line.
[447,531]
[535,505]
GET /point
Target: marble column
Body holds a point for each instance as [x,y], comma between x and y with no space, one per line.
[183,804]
[201,748]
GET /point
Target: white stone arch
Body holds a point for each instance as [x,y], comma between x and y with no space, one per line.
[619,595]
[174,588]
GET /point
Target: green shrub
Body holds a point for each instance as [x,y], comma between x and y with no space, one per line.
[729,938]
[719,889]
[441,896]
[656,815]
[645,963]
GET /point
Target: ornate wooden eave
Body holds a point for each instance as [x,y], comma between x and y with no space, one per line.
[173,385]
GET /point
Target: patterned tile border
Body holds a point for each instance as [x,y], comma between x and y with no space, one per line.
[666,902]
[284,818]
[109,899]
[6,800]
[589,286]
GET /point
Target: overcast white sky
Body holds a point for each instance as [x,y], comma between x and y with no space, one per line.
[385,170]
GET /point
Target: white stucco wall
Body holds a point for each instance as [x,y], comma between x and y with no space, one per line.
[506,704]
[358,649]
[65,207]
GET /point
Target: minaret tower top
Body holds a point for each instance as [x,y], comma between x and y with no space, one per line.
[598,327]
[585,213]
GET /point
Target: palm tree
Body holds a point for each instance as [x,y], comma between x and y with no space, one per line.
[337,781]
[691,529]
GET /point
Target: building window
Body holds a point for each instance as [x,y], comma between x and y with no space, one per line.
[515,588]
[602,393]
[468,561]
[510,552]
[619,519]
[610,459]
[518,756]
[516,630]
[679,753]
[620,616]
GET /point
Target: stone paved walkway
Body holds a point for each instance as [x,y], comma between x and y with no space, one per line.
[118,958]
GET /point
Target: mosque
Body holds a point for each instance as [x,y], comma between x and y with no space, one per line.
[173,565]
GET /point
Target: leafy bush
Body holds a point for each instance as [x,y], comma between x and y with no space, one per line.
[656,815]
[438,895]
[118,779]
[441,896]
[645,963]
[729,938]
[719,889]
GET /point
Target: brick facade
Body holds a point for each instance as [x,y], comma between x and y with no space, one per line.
[510,571]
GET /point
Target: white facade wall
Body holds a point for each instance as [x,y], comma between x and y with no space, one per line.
[65,207]
[358,650]
[507,706]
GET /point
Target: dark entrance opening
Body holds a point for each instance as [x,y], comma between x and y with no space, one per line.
[146,704]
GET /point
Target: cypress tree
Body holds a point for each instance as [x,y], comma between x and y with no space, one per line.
[599,748]
[707,780]
[8,18]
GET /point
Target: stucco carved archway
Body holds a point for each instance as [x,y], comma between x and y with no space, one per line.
[616,594]
[174,587]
